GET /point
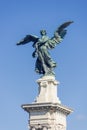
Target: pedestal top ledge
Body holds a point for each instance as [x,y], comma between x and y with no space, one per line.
[46,106]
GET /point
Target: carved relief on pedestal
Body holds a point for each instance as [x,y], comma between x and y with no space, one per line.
[39,127]
[60,127]
[33,128]
[45,128]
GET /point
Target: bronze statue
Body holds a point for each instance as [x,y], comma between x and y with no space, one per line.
[44,63]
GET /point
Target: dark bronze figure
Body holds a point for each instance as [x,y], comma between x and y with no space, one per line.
[44,63]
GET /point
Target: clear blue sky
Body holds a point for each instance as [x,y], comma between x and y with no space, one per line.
[17,77]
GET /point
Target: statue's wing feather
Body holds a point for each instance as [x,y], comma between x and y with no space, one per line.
[61,29]
[28,38]
[58,35]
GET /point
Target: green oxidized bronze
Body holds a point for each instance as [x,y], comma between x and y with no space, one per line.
[44,63]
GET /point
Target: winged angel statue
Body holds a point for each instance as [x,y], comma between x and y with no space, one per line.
[44,63]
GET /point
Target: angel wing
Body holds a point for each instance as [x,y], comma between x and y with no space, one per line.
[58,35]
[28,38]
[61,29]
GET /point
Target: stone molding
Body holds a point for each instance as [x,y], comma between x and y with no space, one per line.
[46,106]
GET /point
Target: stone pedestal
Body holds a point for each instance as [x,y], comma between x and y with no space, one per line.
[47,90]
[47,112]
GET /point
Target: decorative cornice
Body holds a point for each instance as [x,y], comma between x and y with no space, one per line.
[38,107]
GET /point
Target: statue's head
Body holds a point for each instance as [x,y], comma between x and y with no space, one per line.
[43,32]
